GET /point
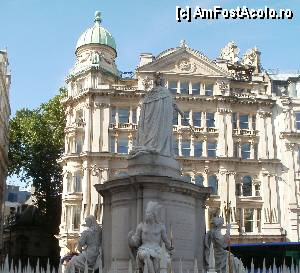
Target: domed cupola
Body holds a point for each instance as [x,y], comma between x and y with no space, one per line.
[96,49]
[96,35]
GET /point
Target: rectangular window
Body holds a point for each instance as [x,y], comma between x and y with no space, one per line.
[186,119]
[76,217]
[77,182]
[134,120]
[255,147]
[244,122]
[78,145]
[79,116]
[297,114]
[248,219]
[123,115]
[123,145]
[258,220]
[235,149]
[253,122]
[198,148]
[175,117]
[112,144]
[196,88]
[234,121]
[210,120]
[113,115]
[197,119]
[184,88]
[209,89]
[173,87]
[211,149]
[185,147]
[175,147]
[245,151]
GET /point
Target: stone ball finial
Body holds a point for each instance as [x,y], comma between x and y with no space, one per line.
[97,17]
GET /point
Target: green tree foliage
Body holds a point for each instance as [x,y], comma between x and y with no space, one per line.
[36,143]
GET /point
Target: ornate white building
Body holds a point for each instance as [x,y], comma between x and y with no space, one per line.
[241,146]
[4,117]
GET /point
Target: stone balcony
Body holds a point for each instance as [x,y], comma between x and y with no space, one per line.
[76,126]
[123,126]
[245,132]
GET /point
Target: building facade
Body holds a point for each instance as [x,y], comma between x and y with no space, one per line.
[229,139]
[4,117]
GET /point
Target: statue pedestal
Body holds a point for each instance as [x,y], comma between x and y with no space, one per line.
[124,203]
[154,164]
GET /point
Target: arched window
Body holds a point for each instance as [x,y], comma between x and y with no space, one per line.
[77,182]
[69,182]
[199,180]
[213,182]
[247,186]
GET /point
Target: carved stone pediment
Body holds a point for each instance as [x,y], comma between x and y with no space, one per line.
[184,60]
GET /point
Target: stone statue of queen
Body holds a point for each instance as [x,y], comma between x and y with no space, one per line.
[155,126]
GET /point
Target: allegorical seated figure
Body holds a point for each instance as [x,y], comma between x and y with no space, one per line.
[220,242]
[146,242]
[89,246]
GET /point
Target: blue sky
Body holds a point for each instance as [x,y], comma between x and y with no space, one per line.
[40,37]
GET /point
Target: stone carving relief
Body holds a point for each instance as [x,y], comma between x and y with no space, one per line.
[230,53]
[250,57]
[224,87]
[146,243]
[185,65]
[147,83]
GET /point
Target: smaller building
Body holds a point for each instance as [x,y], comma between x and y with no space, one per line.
[4,117]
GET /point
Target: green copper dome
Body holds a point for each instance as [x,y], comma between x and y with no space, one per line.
[96,35]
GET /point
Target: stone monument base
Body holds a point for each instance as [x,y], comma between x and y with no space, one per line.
[154,164]
[124,204]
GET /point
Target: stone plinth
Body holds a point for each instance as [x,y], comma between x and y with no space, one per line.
[124,202]
[154,164]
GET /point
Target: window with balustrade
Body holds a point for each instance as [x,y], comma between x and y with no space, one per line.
[175,117]
[187,178]
[196,88]
[123,115]
[172,85]
[199,179]
[244,122]
[185,147]
[245,150]
[78,145]
[210,120]
[198,148]
[213,183]
[133,116]
[175,147]
[197,119]
[185,121]
[69,183]
[78,181]
[209,89]
[76,217]
[247,186]
[112,144]
[249,220]
[234,121]
[211,149]
[184,88]
[123,145]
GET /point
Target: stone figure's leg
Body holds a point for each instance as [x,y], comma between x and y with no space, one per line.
[156,264]
[145,257]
